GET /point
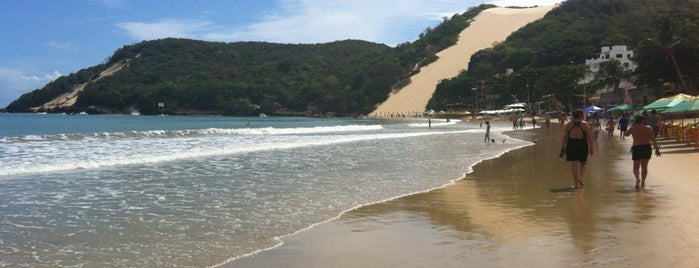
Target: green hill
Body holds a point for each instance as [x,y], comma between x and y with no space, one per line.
[548,56]
[195,77]
[351,77]
[346,78]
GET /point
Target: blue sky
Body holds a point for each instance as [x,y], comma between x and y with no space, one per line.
[42,40]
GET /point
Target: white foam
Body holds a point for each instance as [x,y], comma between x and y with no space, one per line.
[66,155]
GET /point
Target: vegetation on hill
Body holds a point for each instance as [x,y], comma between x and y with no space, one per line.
[245,78]
[547,57]
[351,77]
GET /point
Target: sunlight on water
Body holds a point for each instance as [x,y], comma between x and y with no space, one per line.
[200,196]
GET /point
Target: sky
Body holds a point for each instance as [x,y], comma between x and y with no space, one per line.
[41,40]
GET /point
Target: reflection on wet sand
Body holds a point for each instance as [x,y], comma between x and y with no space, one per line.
[512,210]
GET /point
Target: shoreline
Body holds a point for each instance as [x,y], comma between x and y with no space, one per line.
[508,211]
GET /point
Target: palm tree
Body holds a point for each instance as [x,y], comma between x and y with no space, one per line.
[665,41]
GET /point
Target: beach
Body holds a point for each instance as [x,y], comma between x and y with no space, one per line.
[518,209]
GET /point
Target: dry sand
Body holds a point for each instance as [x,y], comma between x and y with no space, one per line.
[518,210]
[489,27]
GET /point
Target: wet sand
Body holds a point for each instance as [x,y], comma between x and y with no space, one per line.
[518,210]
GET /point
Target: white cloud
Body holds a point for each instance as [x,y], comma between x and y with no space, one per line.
[524,3]
[315,21]
[388,22]
[14,83]
[180,28]
[309,21]
[110,3]
[62,45]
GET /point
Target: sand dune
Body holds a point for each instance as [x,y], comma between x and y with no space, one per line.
[489,27]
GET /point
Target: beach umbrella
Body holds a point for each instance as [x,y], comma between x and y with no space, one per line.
[664,103]
[617,108]
[592,109]
[688,106]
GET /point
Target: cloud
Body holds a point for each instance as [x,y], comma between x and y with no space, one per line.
[314,21]
[109,3]
[524,3]
[14,83]
[179,28]
[389,22]
[308,21]
[62,45]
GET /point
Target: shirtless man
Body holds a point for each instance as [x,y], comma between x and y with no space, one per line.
[643,136]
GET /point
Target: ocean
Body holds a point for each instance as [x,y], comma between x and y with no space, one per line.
[199,191]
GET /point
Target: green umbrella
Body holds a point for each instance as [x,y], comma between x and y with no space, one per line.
[615,108]
[664,104]
[622,107]
[687,106]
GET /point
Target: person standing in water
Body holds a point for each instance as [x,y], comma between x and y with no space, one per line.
[576,145]
[487,131]
[643,135]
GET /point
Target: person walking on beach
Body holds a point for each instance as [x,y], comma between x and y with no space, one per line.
[643,136]
[576,145]
[533,122]
[623,126]
[487,131]
[596,127]
[611,126]
[653,121]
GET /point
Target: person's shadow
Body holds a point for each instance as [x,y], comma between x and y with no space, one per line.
[568,189]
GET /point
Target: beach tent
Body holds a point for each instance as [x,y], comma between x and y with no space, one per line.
[591,109]
[624,107]
[617,108]
[665,103]
[688,106]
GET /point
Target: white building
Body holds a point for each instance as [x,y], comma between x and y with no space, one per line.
[618,53]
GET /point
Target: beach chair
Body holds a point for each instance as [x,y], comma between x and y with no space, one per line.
[679,133]
[689,137]
[670,131]
[663,129]
[692,136]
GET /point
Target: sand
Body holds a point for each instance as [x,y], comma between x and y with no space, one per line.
[488,28]
[69,98]
[518,210]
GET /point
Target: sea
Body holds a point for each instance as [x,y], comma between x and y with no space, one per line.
[201,191]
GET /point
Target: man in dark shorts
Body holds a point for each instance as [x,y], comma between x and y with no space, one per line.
[576,145]
[643,135]
[623,125]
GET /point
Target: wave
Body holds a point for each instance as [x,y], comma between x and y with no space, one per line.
[194,133]
[25,159]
